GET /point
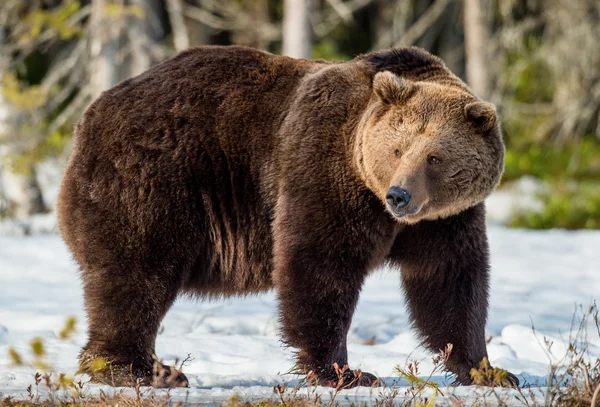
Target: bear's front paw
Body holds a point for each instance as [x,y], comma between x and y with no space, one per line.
[164,376]
[360,378]
[513,380]
[344,378]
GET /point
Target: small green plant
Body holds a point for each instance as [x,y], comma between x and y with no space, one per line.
[38,353]
[574,380]
[418,384]
[54,383]
[488,376]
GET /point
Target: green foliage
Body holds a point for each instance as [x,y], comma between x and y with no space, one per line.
[533,81]
[118,11]
[51,146]
[15,357]
[69,328]
[580,161]
[37,347]
[416,381]
[327,50]
[572,173]
[570,168]
[417,384]
[566,205]
[20,95]
[485,375]
[528,91]
[98,365]
[56,20]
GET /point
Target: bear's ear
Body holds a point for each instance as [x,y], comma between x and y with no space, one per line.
[391,88]
[482,115]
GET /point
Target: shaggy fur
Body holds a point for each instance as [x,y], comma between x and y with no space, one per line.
[229,171]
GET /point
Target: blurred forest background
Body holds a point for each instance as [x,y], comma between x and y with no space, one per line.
[538,60]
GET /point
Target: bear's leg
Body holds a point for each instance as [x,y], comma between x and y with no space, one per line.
[124,311]
[316,313]
[318,288]
[445,275]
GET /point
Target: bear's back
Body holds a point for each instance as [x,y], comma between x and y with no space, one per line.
[177,159]
[200,85]
[209,104]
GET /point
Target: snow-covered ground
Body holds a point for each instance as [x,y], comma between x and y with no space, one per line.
[537,278]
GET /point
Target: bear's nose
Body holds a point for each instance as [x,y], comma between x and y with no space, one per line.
[397,197]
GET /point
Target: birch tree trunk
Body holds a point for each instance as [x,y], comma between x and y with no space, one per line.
[14,188]
[143,32]
[181,38]
[296,28]
[4,114]
[103,47]
[476,47]
[197,33]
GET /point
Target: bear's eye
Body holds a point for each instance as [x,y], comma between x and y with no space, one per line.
[431,160]
[397,153]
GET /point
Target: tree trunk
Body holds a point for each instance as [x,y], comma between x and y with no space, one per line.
[476,47]
[296,28]
[103,47]
[143,33]
[7,196]
[197,33]
[4,115]
[181,38]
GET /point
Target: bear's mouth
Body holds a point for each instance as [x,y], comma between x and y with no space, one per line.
[400,213]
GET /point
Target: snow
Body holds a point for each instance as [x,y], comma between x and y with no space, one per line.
[514,198]
[538,278]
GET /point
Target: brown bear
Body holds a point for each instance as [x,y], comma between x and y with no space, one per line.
[228,171]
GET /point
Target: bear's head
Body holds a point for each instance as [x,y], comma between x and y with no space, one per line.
[428,150]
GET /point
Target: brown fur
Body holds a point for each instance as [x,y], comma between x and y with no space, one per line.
[229,171]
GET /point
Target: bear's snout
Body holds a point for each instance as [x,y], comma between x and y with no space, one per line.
[397,198]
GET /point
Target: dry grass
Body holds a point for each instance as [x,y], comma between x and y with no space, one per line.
[573,381]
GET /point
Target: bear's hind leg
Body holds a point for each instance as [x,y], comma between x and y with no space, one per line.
[124,314]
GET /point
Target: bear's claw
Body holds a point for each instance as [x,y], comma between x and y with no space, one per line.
[352,378]
[164,376]
[513,380]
